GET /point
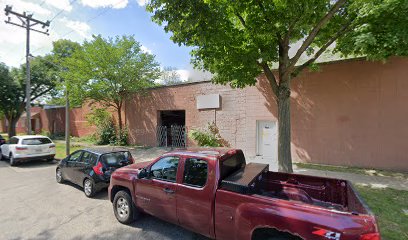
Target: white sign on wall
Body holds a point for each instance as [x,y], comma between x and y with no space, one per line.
[210,101]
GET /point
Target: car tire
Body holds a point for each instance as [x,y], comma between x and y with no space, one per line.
[12,160]
[89,188]
[58,176]
[1,156]
[123,207]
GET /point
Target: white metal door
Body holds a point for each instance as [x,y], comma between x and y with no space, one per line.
[267,139]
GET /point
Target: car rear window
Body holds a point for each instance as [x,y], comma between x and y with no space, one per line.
[232,164]
[114,159]
[36,141]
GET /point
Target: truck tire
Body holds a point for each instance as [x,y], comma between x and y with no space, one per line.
[272,234]
[123,207]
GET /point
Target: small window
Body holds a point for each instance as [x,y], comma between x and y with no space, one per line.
[13,140]
[115,159]
[75,157]
[195,172]
[165,169]
[89,158]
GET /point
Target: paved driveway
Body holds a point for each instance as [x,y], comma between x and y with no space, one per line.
[34,206]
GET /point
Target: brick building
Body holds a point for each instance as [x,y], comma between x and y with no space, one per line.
[51,119]
[350,112]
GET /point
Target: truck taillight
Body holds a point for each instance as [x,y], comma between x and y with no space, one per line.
[21,148]
[98,168]
[370,236]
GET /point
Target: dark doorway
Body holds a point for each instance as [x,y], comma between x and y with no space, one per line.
[171,131]
[169,118]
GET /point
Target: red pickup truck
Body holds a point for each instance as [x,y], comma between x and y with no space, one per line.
[214,192]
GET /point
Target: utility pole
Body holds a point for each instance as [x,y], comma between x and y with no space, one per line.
[67,130]
[27,22]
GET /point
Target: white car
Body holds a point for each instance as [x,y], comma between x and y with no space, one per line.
[28,148]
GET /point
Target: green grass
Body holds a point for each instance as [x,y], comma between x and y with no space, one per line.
[370,172]
[388,206]
[60,150]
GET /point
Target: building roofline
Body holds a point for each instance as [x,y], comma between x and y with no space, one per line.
[209,81]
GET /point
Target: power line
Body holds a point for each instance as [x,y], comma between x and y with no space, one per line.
[87,21]
[62,10]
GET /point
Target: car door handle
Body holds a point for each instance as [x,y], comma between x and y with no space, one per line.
[168,190]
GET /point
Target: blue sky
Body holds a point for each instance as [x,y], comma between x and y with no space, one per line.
[80,19]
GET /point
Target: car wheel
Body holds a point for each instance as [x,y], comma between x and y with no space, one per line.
[12,160]
[58,176]
[1,156]
[89,188]
[123,208]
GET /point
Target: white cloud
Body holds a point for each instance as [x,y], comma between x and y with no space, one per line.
[105,3]
[60,4]
[145,49]
[184,74]
[81,28]
[20,6]
[142,2]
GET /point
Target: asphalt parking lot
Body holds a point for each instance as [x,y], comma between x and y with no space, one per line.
[34,206]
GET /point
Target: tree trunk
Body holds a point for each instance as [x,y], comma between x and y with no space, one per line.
[12,127]
[284,139]
[119,109]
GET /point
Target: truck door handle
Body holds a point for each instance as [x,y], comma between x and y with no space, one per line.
[168,190]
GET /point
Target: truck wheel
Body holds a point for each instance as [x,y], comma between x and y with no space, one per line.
[89,188]
[123,208]
[12,160]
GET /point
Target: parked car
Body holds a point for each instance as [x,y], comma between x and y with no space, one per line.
[2,140]
[216,194]
[28,148]
[92,168]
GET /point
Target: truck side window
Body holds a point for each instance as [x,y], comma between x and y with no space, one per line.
[165,169]
[195,172]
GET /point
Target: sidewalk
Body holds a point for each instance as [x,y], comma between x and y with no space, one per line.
[373,181]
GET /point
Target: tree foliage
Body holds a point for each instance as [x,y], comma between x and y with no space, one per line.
[170,76]
[108,71]
[239,40]
[13,82]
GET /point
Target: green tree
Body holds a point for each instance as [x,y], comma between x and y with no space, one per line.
[239,40]
[108,71]
[12,91]
[62,49]
[170,76]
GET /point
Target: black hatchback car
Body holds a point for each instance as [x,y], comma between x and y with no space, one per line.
[92,168]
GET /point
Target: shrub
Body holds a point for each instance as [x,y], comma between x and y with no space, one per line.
[122,137]
[102,119]
[208,138]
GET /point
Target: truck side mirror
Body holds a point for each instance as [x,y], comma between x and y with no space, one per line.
[143,173]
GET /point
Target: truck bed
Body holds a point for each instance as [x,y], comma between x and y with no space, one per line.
[335,194]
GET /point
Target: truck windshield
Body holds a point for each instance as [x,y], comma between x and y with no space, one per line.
[232,164]
[36,141]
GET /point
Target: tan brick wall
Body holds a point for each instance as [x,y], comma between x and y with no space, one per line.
[349,113]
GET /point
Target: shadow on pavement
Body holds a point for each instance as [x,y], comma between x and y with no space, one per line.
[101,195]
[36,164]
